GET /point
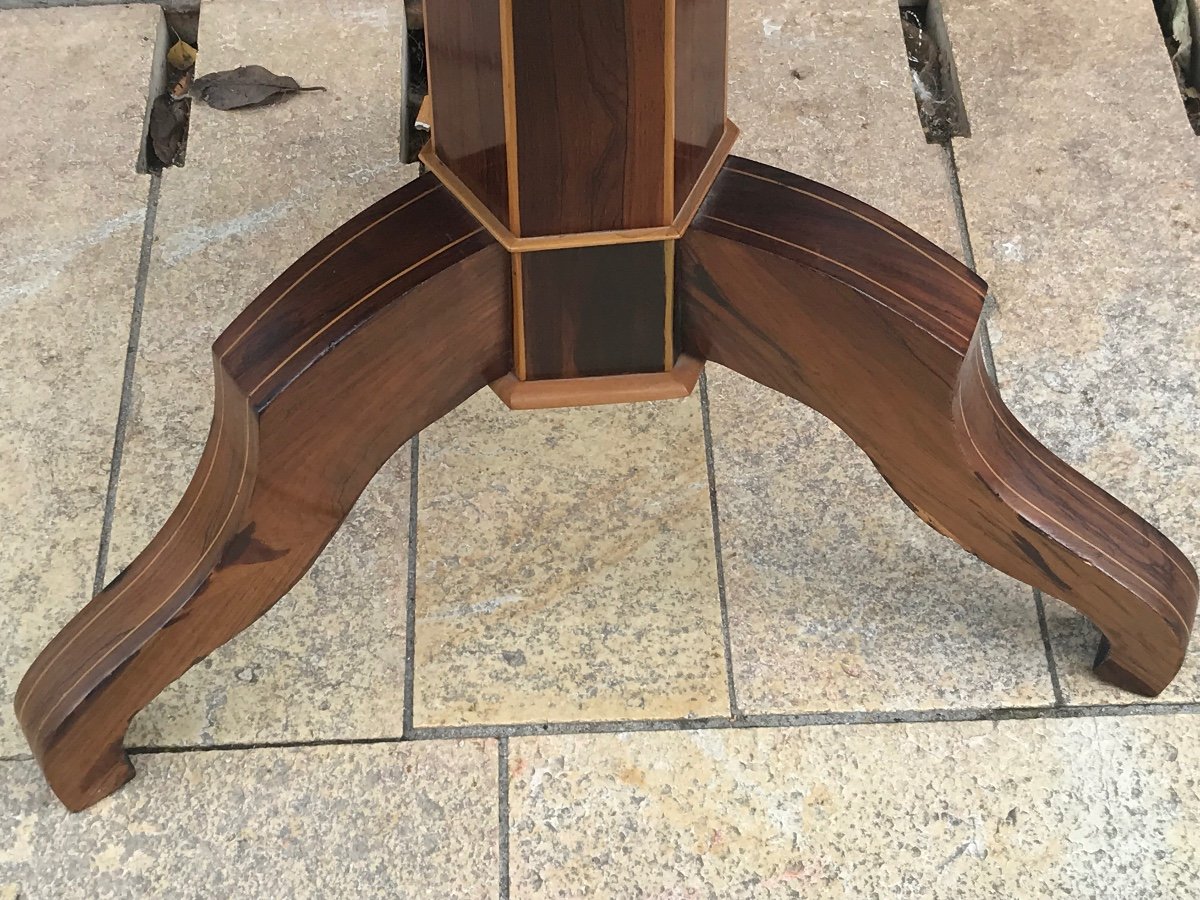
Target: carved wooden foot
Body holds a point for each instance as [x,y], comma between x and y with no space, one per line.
[826,300]
[386,325]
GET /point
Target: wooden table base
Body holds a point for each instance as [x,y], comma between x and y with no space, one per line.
[414,305]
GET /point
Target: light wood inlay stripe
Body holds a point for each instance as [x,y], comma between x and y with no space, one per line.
[933,259]
[518,290]
[669,320]
[241,482]
[986,382]
[509,81]
[921,309]
[671,126]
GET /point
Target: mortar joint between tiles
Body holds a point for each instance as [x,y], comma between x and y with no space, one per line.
[718,553]
[503,734]
[125,403]
[502,784]
[1044,625]
[410,596]
[171,6]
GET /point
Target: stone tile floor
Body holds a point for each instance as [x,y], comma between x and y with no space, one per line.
[699,649]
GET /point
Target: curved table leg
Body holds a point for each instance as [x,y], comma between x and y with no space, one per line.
[381,329]
[826,300]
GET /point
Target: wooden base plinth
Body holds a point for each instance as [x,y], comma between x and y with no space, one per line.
[556,393]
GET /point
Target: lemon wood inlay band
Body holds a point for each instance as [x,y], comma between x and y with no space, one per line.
[220,533]
[986,383]
[949,328]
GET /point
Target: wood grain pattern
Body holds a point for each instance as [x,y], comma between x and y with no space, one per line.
[386,325]
[514,244]
[558,393]
[465,62]
[700,89]
[594,311]
[591,114]
[826,300]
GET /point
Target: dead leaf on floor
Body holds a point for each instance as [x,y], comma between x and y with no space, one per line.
[245,86]
[183,86]
[168,128]
[182,55]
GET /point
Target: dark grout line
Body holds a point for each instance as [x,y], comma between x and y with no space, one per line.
[1044,625]
[410,597]
[126,402]
[714,508]
[960,209]
[718,723]
[170,6]
[503,813]
[989,361]
[17,757]
[968,249]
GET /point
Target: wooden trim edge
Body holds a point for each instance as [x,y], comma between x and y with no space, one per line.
[708,177]
[508,75]
[670,117]
[557,393]
[514,244]
[424,120]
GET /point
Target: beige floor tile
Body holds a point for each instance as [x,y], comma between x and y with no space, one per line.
[412,820]
[565,566]
[259,188]
[838,597]
[1080,184]
[841,598]
[1088,807]
[72,210]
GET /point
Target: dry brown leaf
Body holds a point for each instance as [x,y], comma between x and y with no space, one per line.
[168,129]
[245,86]
[182,55]
[182,87]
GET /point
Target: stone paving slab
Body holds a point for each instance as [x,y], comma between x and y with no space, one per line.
[1080,183]
[1065,808]
[565,567]
[259,188]
[409,820]
[839,598]
[72,209]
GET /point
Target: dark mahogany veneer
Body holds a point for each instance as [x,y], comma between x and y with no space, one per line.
[584,237]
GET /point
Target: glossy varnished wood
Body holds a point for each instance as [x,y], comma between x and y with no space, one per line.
[591,109]
[700,37]
[579,138]
[556,393]
[596,310]
[829,301]
[386,325]
[467,66]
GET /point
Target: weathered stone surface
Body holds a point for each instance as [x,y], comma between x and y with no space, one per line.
[259,188]
[838,597]
[1092,808]
[72,210]
[1080,183]
[407,820]
[565,566]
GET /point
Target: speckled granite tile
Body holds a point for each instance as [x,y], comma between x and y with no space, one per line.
[824,90]
[565,566]
[411,820]
[839,598]
[72,209]
[259,188]
[1080,184]
[1086,807]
